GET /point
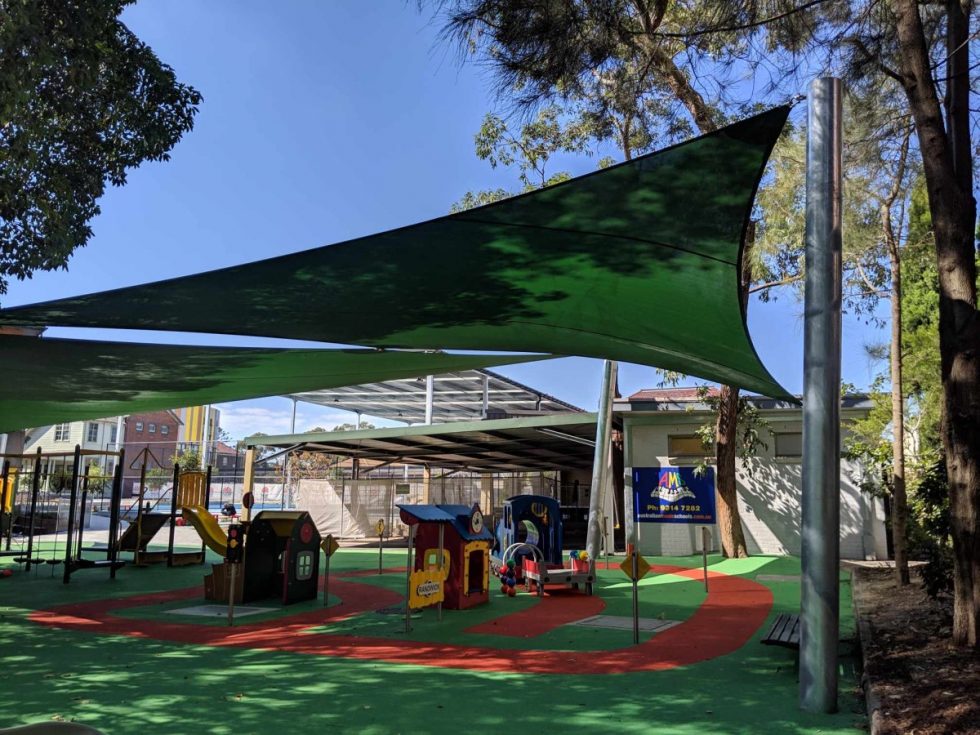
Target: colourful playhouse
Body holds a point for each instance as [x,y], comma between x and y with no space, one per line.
[466,550]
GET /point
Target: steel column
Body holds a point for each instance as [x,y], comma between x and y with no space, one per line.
[73,499]
[35,490]
[429,395]
[820,553]
[603,435]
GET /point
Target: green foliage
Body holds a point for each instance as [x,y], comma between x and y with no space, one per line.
[363,425]
[752,431]
[530,150]
[868,443]
[188,457]
[929,535]
[83,102]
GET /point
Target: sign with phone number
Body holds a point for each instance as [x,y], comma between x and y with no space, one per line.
[673,495]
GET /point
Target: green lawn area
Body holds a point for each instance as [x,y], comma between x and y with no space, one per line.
[131,685]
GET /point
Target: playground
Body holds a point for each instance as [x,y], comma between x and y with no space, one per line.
[128,654]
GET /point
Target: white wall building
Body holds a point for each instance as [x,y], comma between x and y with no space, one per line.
[659,431]
[97,434]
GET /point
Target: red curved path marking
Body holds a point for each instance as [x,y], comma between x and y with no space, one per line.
[553,610]
[733,610]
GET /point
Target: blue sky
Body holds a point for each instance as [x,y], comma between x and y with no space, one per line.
[323,121]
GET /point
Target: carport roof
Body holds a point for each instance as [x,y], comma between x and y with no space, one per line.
[555,442]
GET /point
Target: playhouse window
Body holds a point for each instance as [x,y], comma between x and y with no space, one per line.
[304,565]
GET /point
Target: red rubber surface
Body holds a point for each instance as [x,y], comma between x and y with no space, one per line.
[731,613]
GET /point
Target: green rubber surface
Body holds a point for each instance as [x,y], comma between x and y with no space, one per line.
[139,685]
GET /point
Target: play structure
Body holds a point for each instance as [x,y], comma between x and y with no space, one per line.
[190,493]
[529,534]
[465,568]
[42,484]
[281,559]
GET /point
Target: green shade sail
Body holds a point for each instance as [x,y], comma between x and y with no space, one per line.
[638,262]
[49,381]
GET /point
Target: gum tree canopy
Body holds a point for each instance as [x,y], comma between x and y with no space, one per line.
[83,101]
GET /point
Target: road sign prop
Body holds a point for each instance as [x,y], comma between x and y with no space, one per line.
[329,545]
[641,568]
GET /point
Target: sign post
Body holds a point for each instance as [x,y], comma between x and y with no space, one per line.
[442,530]
[379,527]
[704,554]
[329,546]
[233,557]
[636,599]
[635,567]
[408,580]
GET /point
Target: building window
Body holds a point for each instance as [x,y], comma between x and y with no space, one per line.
[164,429]
[139,426]
[92,435]
[114,434]
[685,445]
[789,445]
[152,428]
[62,432]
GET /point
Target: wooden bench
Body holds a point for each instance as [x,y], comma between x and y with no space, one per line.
[785,631]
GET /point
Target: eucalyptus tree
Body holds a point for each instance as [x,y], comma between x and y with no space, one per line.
[701,53]
[84,101]
[622,66]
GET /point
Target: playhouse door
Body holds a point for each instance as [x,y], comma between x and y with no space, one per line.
[477,572]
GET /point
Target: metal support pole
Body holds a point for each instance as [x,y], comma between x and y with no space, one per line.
[603,434]
[636,596]
[485,406]
[139,506]
[429,394]
[231,593]
[408,579]
[73,499]
[207,507]
[114,504]
[173,515]
[35,490]
[704,554]
[81,516]
[326,583]
[292,423]
[442,530]
[205,421]
[820,553]
[119,434]
[5,528]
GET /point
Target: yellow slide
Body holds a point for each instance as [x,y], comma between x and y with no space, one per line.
[207,527]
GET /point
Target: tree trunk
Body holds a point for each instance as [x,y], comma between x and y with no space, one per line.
[900,508]
[729,521]
[726,440]
[947,163]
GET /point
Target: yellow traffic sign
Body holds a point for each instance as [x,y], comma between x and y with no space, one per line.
[329,545]
[642,567]
[380,526]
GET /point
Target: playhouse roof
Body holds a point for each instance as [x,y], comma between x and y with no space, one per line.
[455,515]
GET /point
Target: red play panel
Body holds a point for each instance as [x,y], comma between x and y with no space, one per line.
[731,613]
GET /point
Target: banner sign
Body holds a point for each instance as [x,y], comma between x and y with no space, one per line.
[426,588]
[673,495]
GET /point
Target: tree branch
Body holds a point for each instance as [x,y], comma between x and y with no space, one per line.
[774,284]
[743,26]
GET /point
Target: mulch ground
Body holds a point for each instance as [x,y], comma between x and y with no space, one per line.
[925,685]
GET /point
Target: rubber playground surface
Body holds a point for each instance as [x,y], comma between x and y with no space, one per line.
[115,655]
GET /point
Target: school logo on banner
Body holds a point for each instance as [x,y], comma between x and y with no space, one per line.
[673,495]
